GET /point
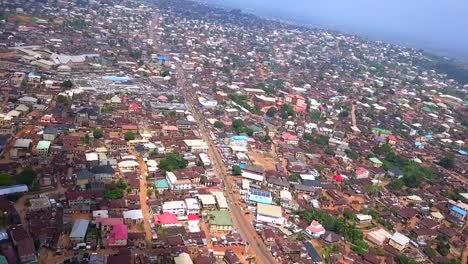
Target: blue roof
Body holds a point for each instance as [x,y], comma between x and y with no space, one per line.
[242,166]
[31,74]
[260,196]
[417,144]
[429,136]
[459,211]
[267,118]
[163,58]
[117,79]
[239,138]
[462,152]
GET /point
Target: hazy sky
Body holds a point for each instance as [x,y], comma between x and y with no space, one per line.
[440,26]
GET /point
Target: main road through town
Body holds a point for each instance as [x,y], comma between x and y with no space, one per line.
[243,224]
[260,251]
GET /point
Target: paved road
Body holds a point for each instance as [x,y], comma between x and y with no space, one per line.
[245,227]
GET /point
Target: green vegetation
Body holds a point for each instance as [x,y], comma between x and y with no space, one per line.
[414,173]
[129,136]
[295,177]
[5,179]
[271,112]
[242,100]
[339,226]
[443,248]
[447,162]
[238,126]
[172,162]
[107,109]
[27,176]
[85,139]
[98,133]
[319,140]
[62,99]
[149,192]
[67,84]
[352,154]
[236,170]
[430,252]
[113,194]
[315,115]
[329,151]
[218,125]
[402,259]
[286,111]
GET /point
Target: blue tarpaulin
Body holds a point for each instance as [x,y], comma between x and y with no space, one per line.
[117,79]
[162,58]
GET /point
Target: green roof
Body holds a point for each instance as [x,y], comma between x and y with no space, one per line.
[382,131]
[161,184]
[3,260]
[43,144]
[221,218]
[375,160]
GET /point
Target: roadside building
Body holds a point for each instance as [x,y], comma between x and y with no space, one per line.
[78,232]
[270,214]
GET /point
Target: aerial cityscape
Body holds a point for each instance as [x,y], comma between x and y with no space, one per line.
[175,131]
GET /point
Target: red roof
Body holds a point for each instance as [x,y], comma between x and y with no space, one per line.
[361,170]
[118,232]
[165,219]
[133,107]
[193,217]
[338,178]
[315,227]
[392,138]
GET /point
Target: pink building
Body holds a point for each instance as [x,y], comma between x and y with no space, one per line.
[315,230]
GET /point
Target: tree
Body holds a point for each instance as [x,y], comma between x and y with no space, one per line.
[173,161]
[67,84]
[62,99]
[236,170]
[218,125]
[98,133]
[238,126]
[447,162]
[27,176]
[329,151]
[384,150]
[149,192]
[300,237]
[271,112]
[396,185]
[129,136]
[85,139]
[430,252]
[402,259]
[5,179]
[295,177]
[352,154]
[286,111]
[113,194]
[165,73]
[249,132]
[443,248]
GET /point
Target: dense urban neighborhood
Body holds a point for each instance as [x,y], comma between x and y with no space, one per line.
[170,131]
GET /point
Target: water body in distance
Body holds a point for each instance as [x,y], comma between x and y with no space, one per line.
[438,26]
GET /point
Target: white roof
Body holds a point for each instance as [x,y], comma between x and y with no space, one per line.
[183,258]
[206,199]
[101,214]
[152,163]
[93,156]
[220,199]
[133,214]
[379,236]
[13,189]
[192,204]
[252,176]
[363,217]
[269,210]
[196,143]
[173,205]
[285,195]
[400,239]
[128,164]
[23,143]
